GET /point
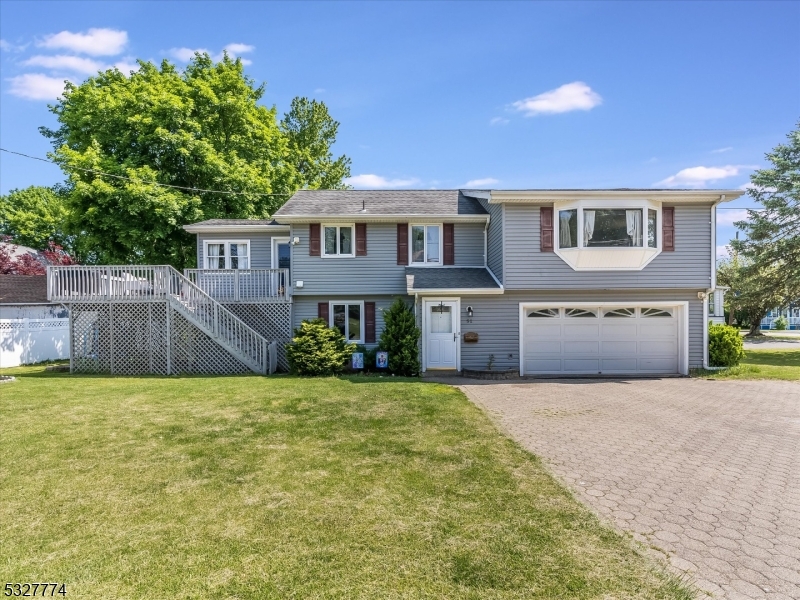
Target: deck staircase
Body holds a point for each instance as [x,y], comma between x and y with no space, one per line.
[123,288]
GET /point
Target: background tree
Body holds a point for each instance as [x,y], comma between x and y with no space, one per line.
[35,217]
[310,132]
[199,129]
[770,250]
[754,288]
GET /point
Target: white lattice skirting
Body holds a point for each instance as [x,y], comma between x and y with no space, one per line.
[272,320]
[135,338]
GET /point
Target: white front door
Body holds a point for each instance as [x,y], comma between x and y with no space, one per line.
[441,335]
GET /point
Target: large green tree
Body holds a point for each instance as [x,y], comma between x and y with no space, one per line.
[770,249]
[34,217]
[201,128]
[754,288]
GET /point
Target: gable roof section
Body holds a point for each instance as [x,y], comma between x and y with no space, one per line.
[380,205]
[221,225]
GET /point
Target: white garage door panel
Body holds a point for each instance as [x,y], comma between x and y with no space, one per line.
[601,344]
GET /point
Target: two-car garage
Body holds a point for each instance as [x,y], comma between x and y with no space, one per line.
[603,339]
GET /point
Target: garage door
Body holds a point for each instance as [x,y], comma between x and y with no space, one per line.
[583,340]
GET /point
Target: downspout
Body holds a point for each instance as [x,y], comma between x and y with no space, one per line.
[486,245]
[713,285]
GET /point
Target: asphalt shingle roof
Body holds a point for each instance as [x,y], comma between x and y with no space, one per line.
[23,289]
[381,202]
[237,222]
[449,278]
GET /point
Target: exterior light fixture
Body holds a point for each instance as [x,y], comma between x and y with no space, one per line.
[469,312]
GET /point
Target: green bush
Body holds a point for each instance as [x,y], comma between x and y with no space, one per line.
[725,346]
[781,323]
[317,349]
[400,338]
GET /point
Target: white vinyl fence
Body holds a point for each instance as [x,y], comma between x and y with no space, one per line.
[27,341]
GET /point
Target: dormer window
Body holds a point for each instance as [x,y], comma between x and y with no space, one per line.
[607,235]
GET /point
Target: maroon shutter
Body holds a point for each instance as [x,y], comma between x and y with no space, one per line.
[402,243]
[668,228]
[369,322]
[546,226]
[322,311]
[449,244]
[313,239]
[361,239]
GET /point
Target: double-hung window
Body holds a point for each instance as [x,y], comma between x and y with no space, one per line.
[338,240]
[426,244]
[227,254]
[348,317]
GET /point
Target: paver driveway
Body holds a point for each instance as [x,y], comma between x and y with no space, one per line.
[707,472]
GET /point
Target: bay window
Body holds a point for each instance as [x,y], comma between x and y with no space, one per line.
[225,254]
[607,235]
[348,318]
[425,244]
[338,240]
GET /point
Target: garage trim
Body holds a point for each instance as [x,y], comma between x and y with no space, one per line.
[683,323]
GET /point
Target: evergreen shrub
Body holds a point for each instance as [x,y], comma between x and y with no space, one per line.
[317,350]
[400,338]
[725,346]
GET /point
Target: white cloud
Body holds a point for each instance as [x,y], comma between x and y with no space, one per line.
[721,150]
[186,54]
[498,121]
[729,217]
[723,252]
[127,65]
[319,91]
[7,46]
[699,176]
[571,96]
[234,51]
[62,62]
[96,42]
[478,183]
[36,86]
[371,181]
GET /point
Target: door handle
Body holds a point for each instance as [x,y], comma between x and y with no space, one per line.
[455,337]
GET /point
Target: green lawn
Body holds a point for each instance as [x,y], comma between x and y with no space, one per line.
[252,487]
[762,364]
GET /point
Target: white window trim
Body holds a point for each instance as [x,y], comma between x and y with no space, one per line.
[362,334]
[338,226]
[613,258]
[227,254]
[425,263]
[274,250]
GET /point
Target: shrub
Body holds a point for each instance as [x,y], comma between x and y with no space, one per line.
[782,323]
[400,338]
[317,349]
[725,347]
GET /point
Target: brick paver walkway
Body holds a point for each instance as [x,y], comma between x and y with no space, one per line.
[707,472]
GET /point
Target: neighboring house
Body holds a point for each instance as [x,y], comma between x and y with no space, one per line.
[32,329]
[791,312]
[546,282]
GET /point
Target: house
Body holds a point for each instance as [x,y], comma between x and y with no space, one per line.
[544,282]
[547,282]
[791,313]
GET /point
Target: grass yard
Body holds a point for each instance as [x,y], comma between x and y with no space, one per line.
[762,364]
[252,487]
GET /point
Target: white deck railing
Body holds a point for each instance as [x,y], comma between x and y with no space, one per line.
[243,285]
[161,282]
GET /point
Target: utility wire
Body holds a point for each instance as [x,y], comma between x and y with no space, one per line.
[176,187]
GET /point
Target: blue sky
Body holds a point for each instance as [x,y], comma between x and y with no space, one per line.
[443,95]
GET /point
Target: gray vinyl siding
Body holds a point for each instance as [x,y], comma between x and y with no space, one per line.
[496,321]
[378,271]
[689,266]
[495,238]
[305,307]
[260,246]
[468,241]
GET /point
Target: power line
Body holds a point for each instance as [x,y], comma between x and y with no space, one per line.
[175,187]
